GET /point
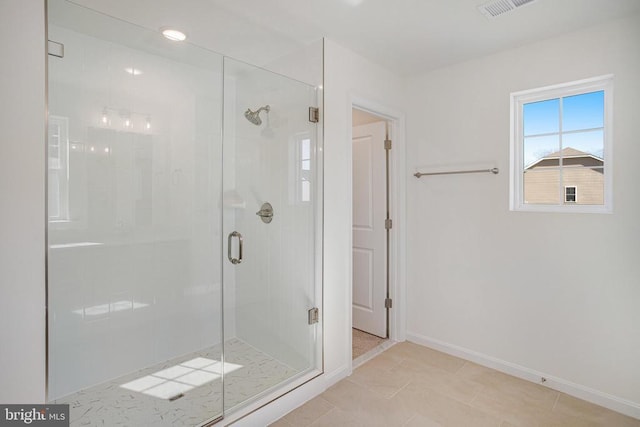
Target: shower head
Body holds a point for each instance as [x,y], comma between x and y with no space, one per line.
[254,116]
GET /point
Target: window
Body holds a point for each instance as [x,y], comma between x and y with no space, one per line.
[570,195]
[305,170]
[560,140]
[58,155]
[301,159]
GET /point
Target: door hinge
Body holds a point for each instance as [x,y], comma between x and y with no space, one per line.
[313,315]
[388,303]
[314,114]
[55,49]
[388,224]
[387,144]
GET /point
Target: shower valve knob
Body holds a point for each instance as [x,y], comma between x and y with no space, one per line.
[266,213]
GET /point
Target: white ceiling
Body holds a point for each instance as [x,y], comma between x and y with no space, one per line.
[405,36]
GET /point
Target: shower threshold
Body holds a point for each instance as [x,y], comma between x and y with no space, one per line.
[184,391]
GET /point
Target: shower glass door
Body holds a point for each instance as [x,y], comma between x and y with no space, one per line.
[134,193]
[270,220]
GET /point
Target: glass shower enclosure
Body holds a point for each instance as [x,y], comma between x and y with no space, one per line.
[183,227]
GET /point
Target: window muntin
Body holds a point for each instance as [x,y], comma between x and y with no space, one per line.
[570,194]
[561,138]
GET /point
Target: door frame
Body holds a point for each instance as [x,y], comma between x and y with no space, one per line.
[397,243]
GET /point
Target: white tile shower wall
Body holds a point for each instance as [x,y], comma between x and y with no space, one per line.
[231,202]
[150,290]
[272,288]
[23,373]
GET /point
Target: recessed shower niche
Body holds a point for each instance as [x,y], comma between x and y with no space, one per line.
[156,174]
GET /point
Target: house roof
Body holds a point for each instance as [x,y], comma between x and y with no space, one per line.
[565,153]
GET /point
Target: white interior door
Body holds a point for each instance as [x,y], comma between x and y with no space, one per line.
[369,234]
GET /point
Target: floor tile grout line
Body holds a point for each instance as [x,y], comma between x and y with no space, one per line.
[462,366]
[399,390]
[331,408]
[409,420]
[474,396]
[314,422]
[553,408]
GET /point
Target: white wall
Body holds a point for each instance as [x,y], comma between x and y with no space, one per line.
[22,165]
[347,75]
[553,294]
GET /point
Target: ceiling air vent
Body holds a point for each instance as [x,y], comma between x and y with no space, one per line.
[499,7]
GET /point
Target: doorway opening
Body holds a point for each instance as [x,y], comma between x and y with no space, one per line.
[371,227]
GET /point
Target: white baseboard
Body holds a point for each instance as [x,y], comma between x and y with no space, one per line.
[337,375]
[606,400]
[361,360]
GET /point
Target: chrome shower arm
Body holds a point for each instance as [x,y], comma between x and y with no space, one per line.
[266,108]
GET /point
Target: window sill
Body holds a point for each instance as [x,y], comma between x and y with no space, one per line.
[569,208]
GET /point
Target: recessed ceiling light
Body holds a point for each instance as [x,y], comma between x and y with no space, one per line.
[133,71]
[173,34]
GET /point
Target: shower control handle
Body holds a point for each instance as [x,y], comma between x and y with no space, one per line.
[233,260]
[266,212]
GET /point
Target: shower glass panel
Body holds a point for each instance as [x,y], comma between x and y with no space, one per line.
[134,231]
[271,201]
[149,225]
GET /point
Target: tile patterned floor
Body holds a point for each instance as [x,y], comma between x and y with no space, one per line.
[413,386]
[109,404]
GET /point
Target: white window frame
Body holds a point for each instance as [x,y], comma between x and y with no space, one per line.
[575,193]
[516,184]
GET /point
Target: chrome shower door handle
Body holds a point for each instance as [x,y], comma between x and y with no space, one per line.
[233,260]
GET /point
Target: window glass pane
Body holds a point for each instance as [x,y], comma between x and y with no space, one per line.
[306,165]
[536,148]
[306,149]
[569,194]
[54,157]
[54,195]
[585,111]
[591,142]
[305,189]
[541,117]
[542,186]
[588,183]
